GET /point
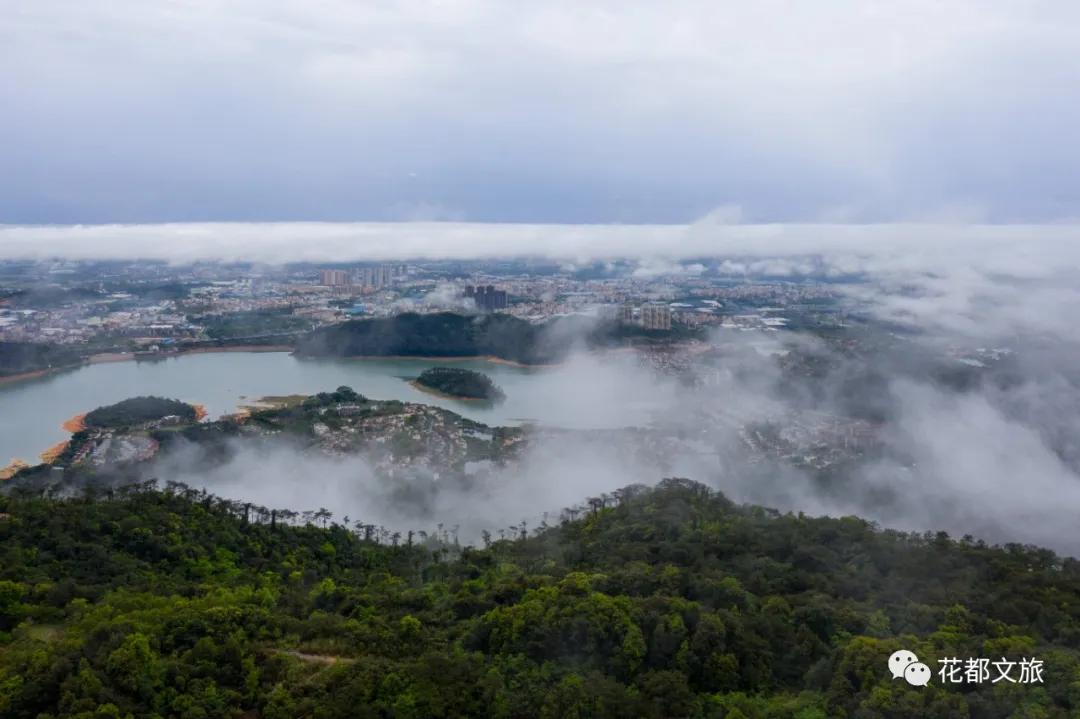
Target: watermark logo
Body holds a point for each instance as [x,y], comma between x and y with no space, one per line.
[973,670]
[917,674]
[976,670]
[900,661]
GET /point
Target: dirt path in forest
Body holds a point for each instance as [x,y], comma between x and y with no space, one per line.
[315,658]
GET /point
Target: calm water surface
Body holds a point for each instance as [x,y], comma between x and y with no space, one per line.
[31,412]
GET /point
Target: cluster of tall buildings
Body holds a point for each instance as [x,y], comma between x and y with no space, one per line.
[487,297]
[651,317]
[656,317]
[378,276]
[334,278]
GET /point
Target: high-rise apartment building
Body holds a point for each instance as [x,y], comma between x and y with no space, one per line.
[379,276]
[487,297]
[656,317]
[333,278]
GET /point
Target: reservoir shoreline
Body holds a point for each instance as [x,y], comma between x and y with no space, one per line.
[422,358]
[436,393]
[224,379]
[106,357]
[36,404]
[35,374]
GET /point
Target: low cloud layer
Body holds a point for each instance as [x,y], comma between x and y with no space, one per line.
[1017,250]
[996,459]
[994,455]
[969,279]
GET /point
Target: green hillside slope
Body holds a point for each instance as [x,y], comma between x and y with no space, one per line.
[649,603]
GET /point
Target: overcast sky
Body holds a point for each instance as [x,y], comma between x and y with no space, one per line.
[578,111]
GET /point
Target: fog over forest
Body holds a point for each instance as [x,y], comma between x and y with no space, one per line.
[997,458]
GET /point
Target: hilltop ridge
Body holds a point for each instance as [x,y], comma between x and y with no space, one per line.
[663,602]
[448,334]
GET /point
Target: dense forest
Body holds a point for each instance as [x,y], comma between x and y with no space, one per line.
[279,322]
[664,602]
[459,382]
[51,296]
[137,410]
[447,334]
[442,334]
[19,357]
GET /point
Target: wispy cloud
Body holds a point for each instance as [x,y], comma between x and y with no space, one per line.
[960,278]
[1014,250]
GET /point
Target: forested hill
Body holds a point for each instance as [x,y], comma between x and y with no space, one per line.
[458,382]
[19,357]
[447,334]
[669,602]
[443,334]
[137,410]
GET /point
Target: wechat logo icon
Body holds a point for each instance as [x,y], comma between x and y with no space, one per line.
[905,664]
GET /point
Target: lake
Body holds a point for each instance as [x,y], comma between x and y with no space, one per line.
[587,392]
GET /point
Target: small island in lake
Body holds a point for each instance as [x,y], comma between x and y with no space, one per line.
[138,410]
[459,384]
